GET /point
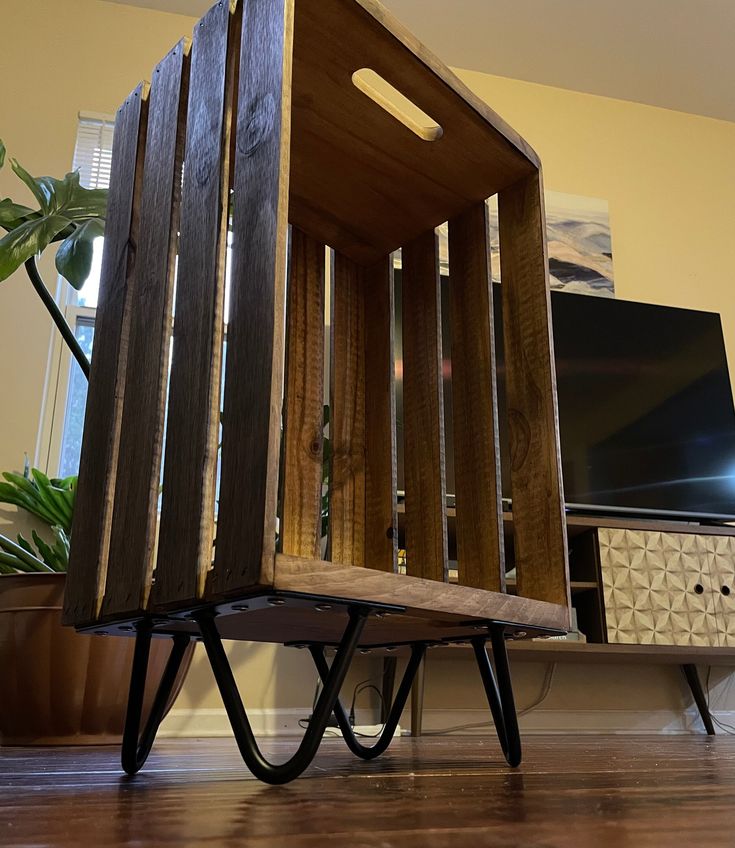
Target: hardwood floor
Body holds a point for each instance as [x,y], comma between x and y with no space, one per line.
[450,791]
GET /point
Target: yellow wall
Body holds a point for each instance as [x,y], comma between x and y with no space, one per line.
[59,57]
[669,181]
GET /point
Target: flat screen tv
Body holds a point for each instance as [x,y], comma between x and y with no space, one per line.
[646,413]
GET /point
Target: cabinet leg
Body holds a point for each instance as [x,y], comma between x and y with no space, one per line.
[417,699]
[389,681]
[695,684]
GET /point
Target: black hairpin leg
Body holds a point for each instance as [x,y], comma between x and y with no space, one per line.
[391,722]
[137,746]
[255,761]
[695,684]
[500,692]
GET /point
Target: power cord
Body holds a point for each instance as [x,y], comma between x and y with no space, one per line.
[545,690]
[727,728]
[363,686]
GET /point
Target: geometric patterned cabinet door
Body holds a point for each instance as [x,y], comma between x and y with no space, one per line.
[667,588]
[720,556]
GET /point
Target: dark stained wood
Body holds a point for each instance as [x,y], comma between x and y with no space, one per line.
[98,463]
[135,512]
[302,468]
[480,548]
[440,599]
[251,423]
[435,792]
[404,185]
[192,432]
[381,519]
[423,411]
[536,482]
[347,423]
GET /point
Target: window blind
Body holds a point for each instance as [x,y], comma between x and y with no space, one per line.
[93,151]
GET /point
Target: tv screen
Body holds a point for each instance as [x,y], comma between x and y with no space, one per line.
[646,413]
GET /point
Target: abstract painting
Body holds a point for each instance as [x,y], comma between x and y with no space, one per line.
[578,236]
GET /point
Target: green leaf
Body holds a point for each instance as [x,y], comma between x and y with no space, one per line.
[54,499]
[13,214]
[33,562]
[85,203]
[2,153]
[31,182]
[25,544]
[47,553]
[27,240]
[59,193]
[20,492]
[74,256]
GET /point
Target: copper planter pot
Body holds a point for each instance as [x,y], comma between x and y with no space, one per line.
[59,687]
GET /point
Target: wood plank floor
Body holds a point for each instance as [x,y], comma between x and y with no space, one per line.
[451,791]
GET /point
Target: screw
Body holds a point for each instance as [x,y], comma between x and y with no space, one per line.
[323,607]
[276,602]
[240,607]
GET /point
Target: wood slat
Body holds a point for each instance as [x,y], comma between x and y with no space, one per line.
[251,432]
[98,462]
[303,421]
[135,515]
[423,411]
[192,433]
[347,415]
[381,519]
[480,547]
[538,498]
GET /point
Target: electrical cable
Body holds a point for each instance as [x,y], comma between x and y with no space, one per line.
[369,683]
[727,728]
[545,690]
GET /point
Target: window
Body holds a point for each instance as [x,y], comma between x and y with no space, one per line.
[92,158]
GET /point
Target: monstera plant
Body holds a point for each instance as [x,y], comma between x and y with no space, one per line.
[73,217]
[67,214]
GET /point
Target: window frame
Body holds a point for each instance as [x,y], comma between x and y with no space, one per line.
[57,384]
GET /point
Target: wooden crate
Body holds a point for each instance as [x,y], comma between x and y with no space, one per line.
[258,134]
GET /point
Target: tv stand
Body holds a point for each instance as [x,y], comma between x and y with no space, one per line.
[645,591]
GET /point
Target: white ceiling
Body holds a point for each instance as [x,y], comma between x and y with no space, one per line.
[679,54]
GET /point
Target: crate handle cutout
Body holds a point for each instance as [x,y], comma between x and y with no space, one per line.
[389,98]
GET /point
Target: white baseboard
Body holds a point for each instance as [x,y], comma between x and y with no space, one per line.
[285,722]
[576,721]
[265,722]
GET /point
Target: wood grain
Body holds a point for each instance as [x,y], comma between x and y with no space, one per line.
[404,185]
[303,420]
[610,791]
[479,506]
[347,502]
[433,599]
[192,431]
[98,463]
[423,411]
[381,519]
[134,518]
[533,424]
[251,423]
